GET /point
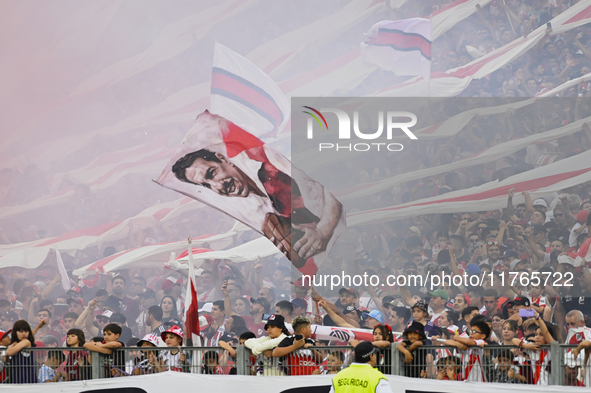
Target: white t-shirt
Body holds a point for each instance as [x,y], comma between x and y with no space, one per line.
[572,239]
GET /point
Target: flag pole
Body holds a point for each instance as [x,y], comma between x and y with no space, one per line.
[431,60]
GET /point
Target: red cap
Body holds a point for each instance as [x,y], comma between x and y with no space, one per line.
[43,273]
[466,298]
[582,216]
[174,330]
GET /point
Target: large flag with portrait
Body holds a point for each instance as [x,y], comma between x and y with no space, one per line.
[229,169]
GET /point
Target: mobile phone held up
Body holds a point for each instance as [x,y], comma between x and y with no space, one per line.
[298,337]
[526,313]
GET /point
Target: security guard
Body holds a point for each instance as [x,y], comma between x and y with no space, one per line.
[361,376]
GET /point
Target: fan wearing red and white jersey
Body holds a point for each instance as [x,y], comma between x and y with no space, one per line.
[472,351]
[579,334]
[173,359]
[540,358]
[296,356]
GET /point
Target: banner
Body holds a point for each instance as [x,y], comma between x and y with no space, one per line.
[231,170]
[32,254]
[492,195]
[150,256]
[186,382]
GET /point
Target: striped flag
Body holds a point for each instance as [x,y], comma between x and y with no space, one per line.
[541,181]
[245,95]
[402,46]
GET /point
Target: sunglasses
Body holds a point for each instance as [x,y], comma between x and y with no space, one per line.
[493,243]
[559,215]
[472,331]
[472,240]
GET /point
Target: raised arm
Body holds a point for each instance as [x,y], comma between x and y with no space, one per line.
[334,316]
[15,348]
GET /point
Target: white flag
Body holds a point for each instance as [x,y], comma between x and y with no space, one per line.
[245,95]
[402,46]
[62,270]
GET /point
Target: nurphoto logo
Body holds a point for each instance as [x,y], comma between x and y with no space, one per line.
[392,119]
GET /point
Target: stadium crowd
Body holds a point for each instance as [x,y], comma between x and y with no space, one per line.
[250,303]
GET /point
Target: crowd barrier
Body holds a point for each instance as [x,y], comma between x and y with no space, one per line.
[506,364]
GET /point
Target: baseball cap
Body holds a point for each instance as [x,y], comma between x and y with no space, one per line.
[147,294]
[522,222]
[174,330]
[297,302]
[113,302]
[75,299]
[263,302]
[4,334]
[350,309]
[205,321]
[510,253]
[106,314]
[118,317]
[9,316]
[540,202]
[514,263]
[40,284]
[170,282]
[416,230]
[582,216]
[43,273]
[421,305]
[375,314]
[350,291]
[275,320]
[440,293]
[472,269]
[49,340]
[207,307]
[75,290]
[363,351]
[521,301]
[148,338]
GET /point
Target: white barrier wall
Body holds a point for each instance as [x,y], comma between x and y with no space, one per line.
[184,383]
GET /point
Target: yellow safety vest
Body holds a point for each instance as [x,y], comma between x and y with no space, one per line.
[357,378]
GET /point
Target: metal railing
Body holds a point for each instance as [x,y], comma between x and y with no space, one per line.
[549,365]
[492,363]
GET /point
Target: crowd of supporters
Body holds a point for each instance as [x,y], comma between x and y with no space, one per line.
[249,304]
[545,237]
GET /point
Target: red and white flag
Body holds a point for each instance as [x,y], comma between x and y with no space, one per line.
[191,305]
[492,195]
[402,46]
[224,166]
